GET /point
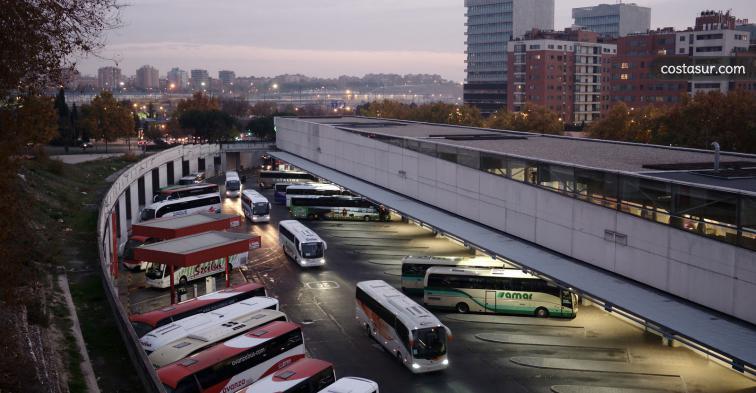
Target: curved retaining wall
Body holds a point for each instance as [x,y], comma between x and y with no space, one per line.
[128,182]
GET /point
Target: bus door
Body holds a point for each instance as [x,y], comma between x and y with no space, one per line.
[567,304]
[491,301]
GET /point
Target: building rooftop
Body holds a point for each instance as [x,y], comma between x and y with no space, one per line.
[584,152]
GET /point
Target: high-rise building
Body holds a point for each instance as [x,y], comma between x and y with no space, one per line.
[108,78]
[490,25]
[635,78]
[564,71]
[614,20]
[226,77]
[178,79]
[200,80]
[714,35]
[147,78]
[632,77]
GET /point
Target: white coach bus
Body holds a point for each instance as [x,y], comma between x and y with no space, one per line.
[208,203]
[507,291]
[185,327]
[233,184]
[408,331]
[352,385]
[255,206]
[301,243]
[414,268]
[313,190]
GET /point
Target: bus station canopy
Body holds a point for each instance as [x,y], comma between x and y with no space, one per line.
[195,249]
[173,227]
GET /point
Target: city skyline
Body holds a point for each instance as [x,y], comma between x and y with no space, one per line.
[266,40]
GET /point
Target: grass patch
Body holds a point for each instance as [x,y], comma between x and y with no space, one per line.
[65,199]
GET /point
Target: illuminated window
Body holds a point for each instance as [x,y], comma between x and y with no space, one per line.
[625,66]
[624,77]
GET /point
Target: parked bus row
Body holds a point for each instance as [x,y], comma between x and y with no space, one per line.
[235,340]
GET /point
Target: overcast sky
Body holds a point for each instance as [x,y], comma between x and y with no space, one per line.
[323,37]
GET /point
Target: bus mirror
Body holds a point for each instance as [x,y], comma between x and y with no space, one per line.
[449,335]
[325,245]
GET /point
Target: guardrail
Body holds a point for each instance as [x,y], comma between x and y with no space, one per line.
[106,234]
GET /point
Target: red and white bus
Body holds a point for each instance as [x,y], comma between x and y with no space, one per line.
[236,363]
[304,376]
[145,322]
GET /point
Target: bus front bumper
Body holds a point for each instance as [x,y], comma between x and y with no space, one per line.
[261,218]
[312,262]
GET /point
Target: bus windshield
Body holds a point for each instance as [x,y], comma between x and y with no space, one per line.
[128,249]
[312,250]
[429,343]
[155,271]
[260,208]
[147,214]
[141,328]
[233,185]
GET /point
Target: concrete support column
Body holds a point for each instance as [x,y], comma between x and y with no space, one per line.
[163,175]
[209,166]
[223,167]
[177,165]
[123,228]
[134,190]
[193,165]
[148,188]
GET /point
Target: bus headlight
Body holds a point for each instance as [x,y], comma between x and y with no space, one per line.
[415,366]
[445,362]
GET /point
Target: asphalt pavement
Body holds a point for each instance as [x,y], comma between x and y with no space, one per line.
[594,352]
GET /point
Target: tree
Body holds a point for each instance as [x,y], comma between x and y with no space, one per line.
[41,38]
[697,121]
[75,127]
[532,118]
[28,120]
[235,107]
[107,119]
[64,119]
[199,101]
[264,109]
[211,125]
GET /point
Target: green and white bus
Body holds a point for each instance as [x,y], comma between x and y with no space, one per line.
[505,291]
[333,208]
[414,268]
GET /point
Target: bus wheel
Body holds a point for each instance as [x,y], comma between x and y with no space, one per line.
[399,357]
[541,312]
[367,218]
[183,280]
[463,308]
[367,331]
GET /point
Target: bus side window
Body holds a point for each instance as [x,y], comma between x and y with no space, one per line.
[403,333]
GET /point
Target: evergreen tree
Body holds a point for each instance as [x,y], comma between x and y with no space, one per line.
[64,120]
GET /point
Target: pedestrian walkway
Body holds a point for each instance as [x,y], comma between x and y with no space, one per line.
[592,366]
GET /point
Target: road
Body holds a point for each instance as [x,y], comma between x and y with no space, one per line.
[487,353]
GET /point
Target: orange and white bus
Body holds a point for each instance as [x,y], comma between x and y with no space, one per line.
[146,322]
[304,376]
[404,328]
[236,363]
